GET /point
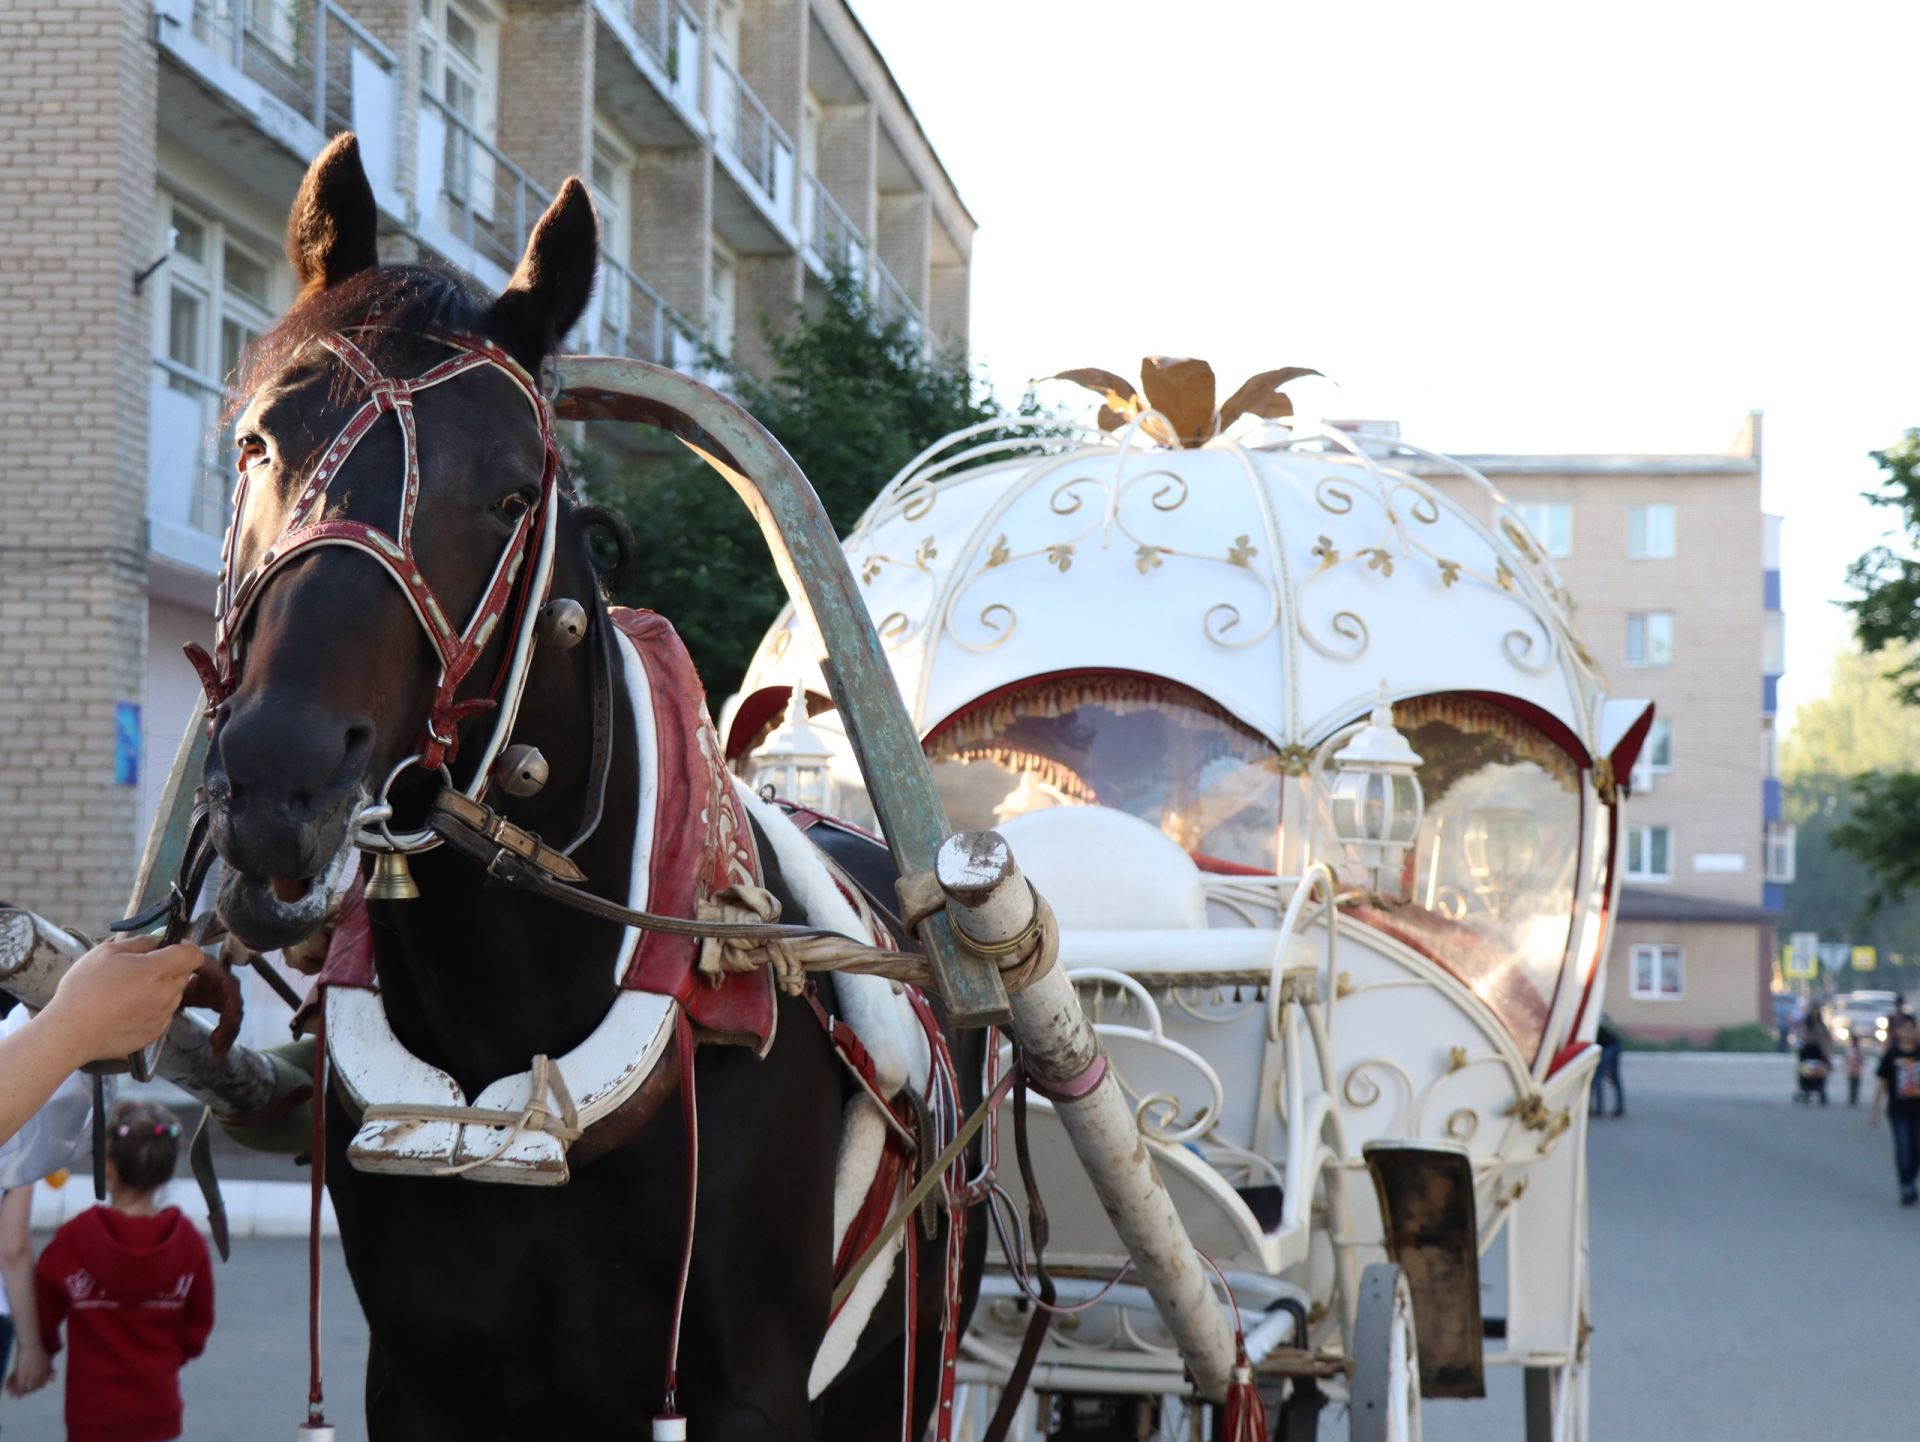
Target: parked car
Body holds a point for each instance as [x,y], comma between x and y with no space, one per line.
[1866,1014]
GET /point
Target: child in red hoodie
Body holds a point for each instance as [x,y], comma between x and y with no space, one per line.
[136,1287]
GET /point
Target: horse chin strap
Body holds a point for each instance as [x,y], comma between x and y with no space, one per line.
[514,593]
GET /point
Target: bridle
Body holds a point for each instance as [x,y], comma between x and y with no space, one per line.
[518,586]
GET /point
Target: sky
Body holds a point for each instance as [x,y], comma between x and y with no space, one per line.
[1522,227]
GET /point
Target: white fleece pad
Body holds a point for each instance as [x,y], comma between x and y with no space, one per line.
[888,1029]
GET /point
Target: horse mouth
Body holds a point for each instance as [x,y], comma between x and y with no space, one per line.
[269,913]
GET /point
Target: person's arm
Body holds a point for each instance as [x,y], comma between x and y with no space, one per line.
[197,1321]
[1880,1089]
[116,999]
[31,1366]
[50,1289]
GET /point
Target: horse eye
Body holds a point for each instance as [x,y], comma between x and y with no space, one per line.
[252,450]
[515,506]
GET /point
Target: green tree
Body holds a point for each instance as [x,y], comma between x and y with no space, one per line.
[853,396]
[1859,733]
[1882,829]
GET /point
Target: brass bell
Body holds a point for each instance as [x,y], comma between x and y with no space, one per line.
[562,623]
[521,770]
[392,878]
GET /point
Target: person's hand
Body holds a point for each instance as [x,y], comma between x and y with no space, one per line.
[214,986]
[121,995]
[1873,1119]
[32,1370]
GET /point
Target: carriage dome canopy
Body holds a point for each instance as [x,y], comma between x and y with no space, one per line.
[1283,581]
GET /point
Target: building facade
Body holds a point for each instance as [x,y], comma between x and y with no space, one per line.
[1675,573]
[739,152]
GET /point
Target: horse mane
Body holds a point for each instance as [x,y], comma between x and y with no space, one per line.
[403,303]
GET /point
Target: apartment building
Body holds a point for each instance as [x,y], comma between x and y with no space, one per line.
[1675,572]
[739,151]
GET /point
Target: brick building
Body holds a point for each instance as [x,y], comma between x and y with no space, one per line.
[738,150]
[1676,573]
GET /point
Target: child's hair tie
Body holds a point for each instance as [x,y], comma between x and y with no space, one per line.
[123,1130]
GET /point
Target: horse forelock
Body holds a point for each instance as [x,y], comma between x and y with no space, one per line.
[400,305]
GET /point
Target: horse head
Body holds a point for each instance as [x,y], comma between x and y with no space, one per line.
[399,512]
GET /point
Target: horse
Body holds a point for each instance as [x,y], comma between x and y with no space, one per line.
[504,1311]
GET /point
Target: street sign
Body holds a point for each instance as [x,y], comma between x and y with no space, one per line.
[1835,954]
[1865,958]
[1803,955]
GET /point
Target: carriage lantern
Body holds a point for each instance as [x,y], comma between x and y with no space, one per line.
[1375,797]
[794,763]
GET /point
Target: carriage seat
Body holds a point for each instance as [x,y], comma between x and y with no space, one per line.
[1103,870]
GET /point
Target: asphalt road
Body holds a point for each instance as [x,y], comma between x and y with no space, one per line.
[1753,1279]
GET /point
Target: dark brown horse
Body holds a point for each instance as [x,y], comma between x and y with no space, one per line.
[505,1312]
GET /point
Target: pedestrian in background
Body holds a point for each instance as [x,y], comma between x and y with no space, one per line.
[1899,1093]
[1856,1065]
[1608,1070]
[1814,1064]
[133,1283]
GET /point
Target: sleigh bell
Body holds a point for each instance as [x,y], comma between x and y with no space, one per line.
[392,878]
[521,770]
[562,623]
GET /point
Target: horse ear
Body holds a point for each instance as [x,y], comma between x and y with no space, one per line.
[550,289]
[334,223]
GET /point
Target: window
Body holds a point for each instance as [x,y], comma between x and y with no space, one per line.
[1551,523]
[217,294]
[1650,638]
[1781,851]
[458,58]
[612,192]
[1659,973]
[1650,532]
[1656,757]
[1649,853]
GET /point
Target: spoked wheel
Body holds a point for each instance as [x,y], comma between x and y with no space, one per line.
[1386,1360]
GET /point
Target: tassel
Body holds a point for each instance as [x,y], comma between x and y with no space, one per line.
[1246,1414]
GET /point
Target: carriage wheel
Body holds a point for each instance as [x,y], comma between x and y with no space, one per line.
[1386,1361]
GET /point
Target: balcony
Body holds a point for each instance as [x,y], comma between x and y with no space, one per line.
[755,212]
[188,491]
[476,206]
[831,242]
[628,318]
[647,69]
[298,70]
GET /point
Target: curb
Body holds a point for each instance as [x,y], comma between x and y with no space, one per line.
[254,1209]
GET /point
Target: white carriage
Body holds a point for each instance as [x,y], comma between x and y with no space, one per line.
[1357,1028]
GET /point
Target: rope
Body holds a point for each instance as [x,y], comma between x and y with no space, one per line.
[740,919]
[548,1080]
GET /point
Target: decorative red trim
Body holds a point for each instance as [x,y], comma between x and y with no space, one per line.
[1074,1088]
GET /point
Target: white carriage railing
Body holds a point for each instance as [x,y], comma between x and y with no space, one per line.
[302,52]
[745,130]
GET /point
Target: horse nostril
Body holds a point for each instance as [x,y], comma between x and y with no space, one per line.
[359,742]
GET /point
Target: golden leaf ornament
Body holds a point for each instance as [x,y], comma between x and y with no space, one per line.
[1177,397]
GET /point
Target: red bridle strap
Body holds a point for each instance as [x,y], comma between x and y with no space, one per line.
[307,528]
